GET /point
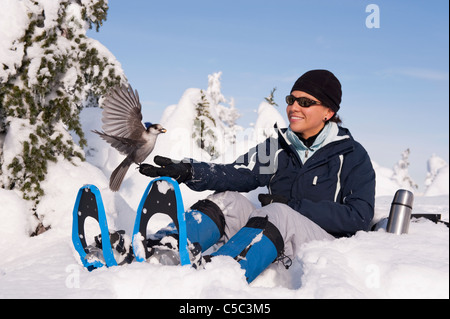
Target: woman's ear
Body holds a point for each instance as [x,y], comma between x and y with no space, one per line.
[329,115]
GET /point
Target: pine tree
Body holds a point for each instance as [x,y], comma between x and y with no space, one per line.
[41,98]
[204,125]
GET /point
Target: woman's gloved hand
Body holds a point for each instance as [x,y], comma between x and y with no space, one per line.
[179,171]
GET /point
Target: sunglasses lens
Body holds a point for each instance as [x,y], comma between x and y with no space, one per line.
[290,99]
[304,102]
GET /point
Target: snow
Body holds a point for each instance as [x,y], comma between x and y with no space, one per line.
[138,246]
[163,187]
[368,265]
[268,115]
[11,51]
[19,131]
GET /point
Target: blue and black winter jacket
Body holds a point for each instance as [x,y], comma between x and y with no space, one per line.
[334,187]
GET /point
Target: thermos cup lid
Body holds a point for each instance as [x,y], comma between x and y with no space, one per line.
[404,197]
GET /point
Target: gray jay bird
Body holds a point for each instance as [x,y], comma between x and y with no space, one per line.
[123,129]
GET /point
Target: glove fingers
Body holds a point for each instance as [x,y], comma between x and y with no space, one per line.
[149,170]
[162,161]
[163,172]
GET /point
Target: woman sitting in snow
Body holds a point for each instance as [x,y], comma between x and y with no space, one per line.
[321,184]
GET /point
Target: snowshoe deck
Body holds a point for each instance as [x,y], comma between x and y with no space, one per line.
[89,204]
[162,196]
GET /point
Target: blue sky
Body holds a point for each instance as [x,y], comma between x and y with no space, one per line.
[395,78]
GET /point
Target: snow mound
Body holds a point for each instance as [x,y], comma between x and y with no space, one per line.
[437,181]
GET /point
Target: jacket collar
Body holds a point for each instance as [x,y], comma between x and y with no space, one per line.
[336,138]
[329,134]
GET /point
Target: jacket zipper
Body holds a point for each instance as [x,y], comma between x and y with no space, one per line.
[270,183]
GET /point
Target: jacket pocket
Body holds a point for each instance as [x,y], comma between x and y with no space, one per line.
[321,182]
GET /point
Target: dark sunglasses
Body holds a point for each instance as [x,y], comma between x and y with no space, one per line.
[302,101]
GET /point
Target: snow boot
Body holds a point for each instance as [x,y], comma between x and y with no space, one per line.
[205,225]
[121,246]
[165,251]
[255,246]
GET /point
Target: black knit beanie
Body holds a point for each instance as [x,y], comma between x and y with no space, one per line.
[323,85]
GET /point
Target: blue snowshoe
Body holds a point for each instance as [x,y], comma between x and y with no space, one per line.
[170,246]
[108,246]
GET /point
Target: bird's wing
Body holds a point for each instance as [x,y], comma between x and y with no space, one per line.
[124,145]
[122,115]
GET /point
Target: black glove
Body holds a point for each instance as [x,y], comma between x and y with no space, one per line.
[180,171]
[267,199]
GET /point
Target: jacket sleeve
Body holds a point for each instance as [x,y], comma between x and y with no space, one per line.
[354,209]
[250,171]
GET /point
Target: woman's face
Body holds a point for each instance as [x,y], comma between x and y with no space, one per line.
[308,121]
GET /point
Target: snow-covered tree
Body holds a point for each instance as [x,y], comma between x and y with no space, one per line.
[401,175]
[204,127]
[228,115]
[214,88]
[436,182]
[201,126]
[215,120]
[434,164]
[49,68]
[268,116]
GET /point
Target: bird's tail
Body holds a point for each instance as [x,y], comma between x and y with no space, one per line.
[119,173]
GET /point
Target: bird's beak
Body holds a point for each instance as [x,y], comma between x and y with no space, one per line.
[163,130]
